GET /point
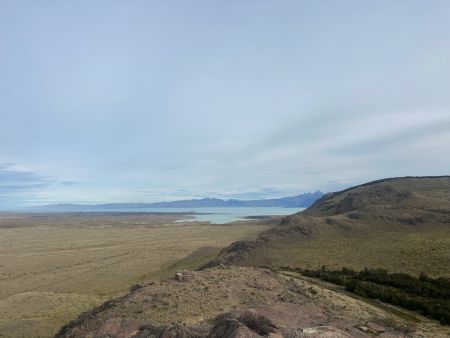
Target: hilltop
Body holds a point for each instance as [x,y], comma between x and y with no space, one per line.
[238,302]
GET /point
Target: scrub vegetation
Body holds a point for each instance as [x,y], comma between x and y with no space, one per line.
[428,296]
[55,266]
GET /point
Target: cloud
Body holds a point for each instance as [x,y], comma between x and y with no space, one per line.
[22,187]
[69,182]
[246,194]
[396,132]
[16,181]
[241,100]
[19,186]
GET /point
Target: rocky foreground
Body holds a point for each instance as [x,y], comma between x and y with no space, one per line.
[243,302]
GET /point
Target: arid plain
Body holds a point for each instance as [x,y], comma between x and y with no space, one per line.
[54,266]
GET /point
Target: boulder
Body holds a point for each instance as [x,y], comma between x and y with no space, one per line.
[183,276]
[257,322]
[232,328]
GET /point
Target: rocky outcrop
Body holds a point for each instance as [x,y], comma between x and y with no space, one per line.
[235,302]
[231,328]
[183,276]
[250,324]
[257,322]
[170,331]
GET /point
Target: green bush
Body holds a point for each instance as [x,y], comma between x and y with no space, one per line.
[429,296]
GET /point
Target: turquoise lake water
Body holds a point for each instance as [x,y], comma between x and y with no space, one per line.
[227,215]
[212,215]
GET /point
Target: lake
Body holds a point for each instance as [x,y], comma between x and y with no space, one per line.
[221,215]
[215,215]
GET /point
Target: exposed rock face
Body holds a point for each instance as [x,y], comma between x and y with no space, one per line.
[231,328]
[171,331]
[257,322]
[323,332]
[250,324]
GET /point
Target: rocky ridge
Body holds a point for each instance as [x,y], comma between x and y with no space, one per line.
[239,302]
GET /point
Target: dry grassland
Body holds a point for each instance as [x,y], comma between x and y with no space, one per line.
[52,267]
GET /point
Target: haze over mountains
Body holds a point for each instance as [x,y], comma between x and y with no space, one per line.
[298,201]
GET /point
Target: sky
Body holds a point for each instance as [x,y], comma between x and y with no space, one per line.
[141,101]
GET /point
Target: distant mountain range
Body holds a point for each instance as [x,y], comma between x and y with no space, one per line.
[299,201]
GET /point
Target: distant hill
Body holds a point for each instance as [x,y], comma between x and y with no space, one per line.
[400,224]
[299,201]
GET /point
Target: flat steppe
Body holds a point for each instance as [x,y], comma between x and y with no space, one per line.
[55,266]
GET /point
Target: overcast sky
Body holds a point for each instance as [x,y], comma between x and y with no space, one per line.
[104,101]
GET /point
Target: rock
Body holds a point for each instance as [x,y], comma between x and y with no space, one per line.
[366,329]
[173,331]
[232,328]
[136,287]
[183,276]
[323,332]
[376,328]
[257,322]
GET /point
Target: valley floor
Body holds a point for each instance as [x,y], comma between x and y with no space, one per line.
[53,267]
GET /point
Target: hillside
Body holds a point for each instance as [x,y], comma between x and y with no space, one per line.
[55,266]
[400,224]
[239,302]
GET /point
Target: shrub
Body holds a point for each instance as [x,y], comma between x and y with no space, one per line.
[424,294]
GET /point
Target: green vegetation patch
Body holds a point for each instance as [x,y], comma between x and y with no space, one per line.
[426,295]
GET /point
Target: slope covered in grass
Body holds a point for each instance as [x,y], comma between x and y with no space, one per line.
[399,224]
